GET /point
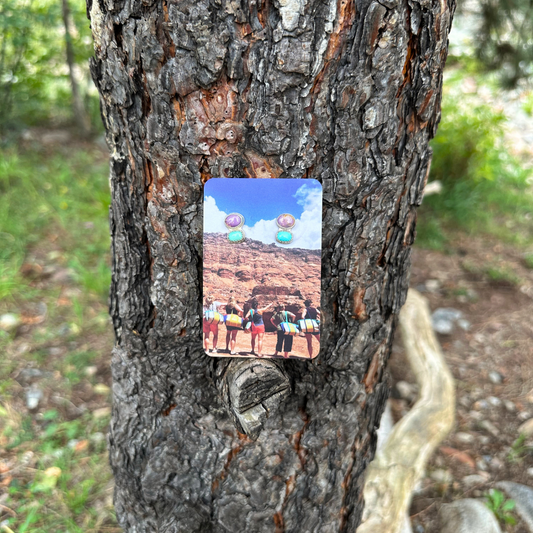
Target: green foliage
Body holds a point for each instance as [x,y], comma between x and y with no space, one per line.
[63,197]
[503,39]
[494,36]
[25,433]
[506,40]
[466,146]
[519,450]
[501,274]
[527,106]
[34,80]
[482,182]
[502,508]
[429,234]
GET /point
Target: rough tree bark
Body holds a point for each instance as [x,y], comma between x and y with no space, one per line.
[344,91]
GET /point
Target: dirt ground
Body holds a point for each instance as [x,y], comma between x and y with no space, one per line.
[492,363]
[243,346]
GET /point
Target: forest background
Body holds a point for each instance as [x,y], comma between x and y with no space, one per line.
[474,251]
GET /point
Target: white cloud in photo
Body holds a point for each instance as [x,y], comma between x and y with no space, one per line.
[213,217]
[307,232]
[262,230]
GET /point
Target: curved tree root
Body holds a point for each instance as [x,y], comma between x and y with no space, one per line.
[400,464]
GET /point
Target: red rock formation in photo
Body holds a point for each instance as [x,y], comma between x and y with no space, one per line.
[267,272]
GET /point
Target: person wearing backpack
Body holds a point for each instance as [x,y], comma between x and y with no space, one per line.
[314,314]
[255,315]
[284,343]
[210,325]
[232,328]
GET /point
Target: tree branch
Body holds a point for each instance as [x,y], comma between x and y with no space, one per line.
[252,390]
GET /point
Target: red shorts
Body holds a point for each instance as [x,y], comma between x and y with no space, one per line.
[210,328]
[258,329]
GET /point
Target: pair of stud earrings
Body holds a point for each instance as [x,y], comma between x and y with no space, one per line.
[235,221]
[285,223]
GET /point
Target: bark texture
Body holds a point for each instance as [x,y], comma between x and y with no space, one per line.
[344,91]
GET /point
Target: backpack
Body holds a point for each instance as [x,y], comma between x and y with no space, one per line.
[248,325]
[287,327]
[309,325]
[233,321]
[213,317]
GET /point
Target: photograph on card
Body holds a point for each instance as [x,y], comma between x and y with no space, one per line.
[261,260]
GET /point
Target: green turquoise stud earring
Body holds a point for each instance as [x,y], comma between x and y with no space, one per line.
[236,236]
[285,223]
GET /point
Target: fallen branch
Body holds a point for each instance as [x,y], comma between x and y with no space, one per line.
[400,464]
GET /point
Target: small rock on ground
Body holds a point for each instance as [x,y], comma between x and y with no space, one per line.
[28,374]
[90,371]
[494,401]
[487,425]
[441,476]
[406,391]
[9,322]
[33,396]
[466,438]
[464,324]
[509,405]
[495,377]
[474,479]
[102,412]
[526,428]
[97,438]
[443,319]
[432,285]
[523,497]
[467,516]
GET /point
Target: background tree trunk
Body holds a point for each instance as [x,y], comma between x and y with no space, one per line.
[342,91]
[80,116]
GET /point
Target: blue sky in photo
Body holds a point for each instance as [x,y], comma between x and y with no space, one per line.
[261,201]
[258,199]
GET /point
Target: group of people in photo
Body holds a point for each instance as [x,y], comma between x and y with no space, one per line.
[232,315]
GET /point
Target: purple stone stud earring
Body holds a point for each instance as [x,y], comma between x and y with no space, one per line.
[234,221]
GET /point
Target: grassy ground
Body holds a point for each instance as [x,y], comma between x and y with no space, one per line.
[55,340]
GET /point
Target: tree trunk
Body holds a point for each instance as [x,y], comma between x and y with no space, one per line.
[347,93]
[80,116]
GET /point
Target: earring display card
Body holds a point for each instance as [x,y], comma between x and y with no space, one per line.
[262,250]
